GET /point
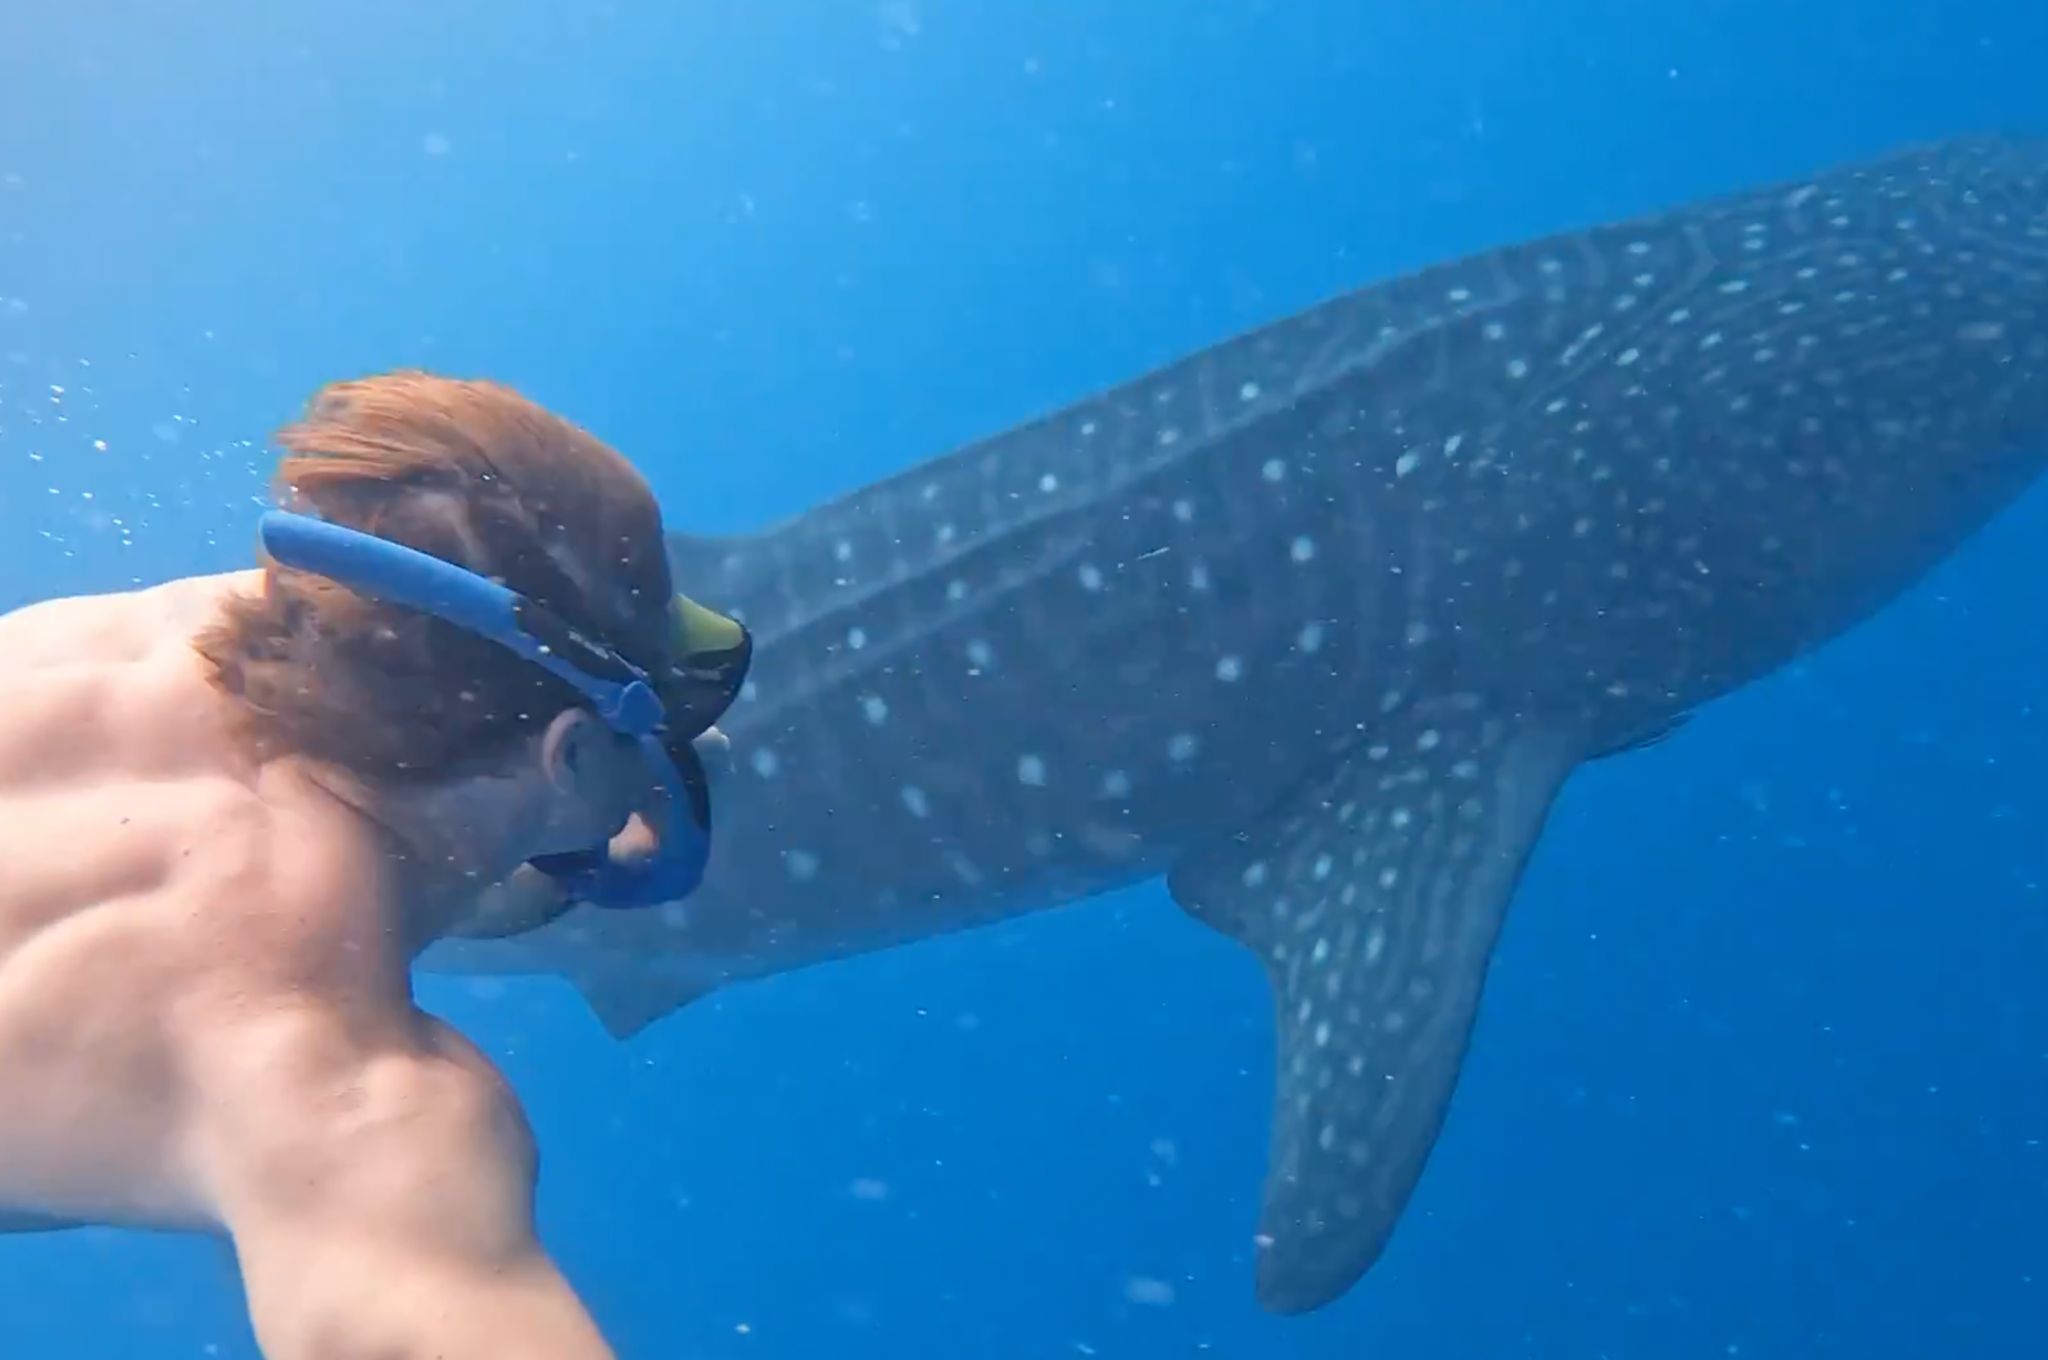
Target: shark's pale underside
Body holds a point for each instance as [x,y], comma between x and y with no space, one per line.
[1316,622]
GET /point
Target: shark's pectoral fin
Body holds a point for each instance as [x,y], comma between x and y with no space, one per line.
[1374,894]
[628,996]
[1655,736]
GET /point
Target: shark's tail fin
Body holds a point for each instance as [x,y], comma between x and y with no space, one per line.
[1373,895]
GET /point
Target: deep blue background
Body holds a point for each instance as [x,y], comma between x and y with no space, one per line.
[1761,1070]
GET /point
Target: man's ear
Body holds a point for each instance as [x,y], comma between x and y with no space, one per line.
[572,750]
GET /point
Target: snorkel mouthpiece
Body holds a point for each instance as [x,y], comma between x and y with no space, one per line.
[711,657]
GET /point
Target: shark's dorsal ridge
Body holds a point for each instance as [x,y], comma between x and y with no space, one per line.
[719,569]
[1373,894]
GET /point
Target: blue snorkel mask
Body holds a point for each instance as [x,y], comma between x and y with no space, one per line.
[664,715]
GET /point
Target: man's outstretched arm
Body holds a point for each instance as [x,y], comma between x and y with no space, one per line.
[396,1222]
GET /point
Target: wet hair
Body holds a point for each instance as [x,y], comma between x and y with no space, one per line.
[476,474]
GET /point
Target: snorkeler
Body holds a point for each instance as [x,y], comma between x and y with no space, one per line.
[233,808]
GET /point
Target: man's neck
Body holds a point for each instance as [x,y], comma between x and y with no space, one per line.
[439,844]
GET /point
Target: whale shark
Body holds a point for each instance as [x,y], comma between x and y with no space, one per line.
[1317,622]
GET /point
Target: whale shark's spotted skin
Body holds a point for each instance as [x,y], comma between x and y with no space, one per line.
[1317,621]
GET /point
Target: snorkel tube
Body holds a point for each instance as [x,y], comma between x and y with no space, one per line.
[623,696]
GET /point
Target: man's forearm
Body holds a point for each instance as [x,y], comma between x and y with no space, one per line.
[387,1305]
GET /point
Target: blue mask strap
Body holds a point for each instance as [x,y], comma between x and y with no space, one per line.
[399,575]
[619,692]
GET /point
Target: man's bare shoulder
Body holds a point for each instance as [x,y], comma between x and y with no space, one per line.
[109,685]
[116,628]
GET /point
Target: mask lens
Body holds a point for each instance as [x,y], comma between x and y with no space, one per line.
[710,655]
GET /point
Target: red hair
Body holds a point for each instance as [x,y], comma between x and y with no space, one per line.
[473,473]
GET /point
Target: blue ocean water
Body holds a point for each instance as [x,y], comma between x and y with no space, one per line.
[1763,1068]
